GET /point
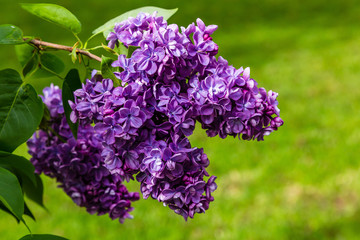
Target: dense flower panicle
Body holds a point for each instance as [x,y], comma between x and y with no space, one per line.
[77,163]
[172,80]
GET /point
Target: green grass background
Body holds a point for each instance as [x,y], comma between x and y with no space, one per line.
[302,182]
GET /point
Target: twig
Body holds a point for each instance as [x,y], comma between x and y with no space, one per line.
[39,43]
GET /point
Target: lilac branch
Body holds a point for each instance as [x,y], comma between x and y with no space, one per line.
[39,43]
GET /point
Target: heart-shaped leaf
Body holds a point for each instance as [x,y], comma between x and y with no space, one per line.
[21,110]
[109,26]
[55,14]
[10,193]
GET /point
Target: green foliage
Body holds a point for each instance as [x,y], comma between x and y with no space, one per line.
[35,191]
[10,34]
[71,83]
[11,193]
[54,14]
[107,70]
[48,64]
[19,166]
[51,63]
[31,66]
[28,212]
[108,26]
[21,110]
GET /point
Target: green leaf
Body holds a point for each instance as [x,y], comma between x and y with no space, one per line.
[121,49]
[54,14]
[35,192]
[5,209]
[73,53]
[10,34]
[28,212]
[21,110]
[10,193]
[42,237]
[52,62]
[24,52]
[108,26]
[20,166]
[131,49]
[71,83]
[107,71]
[32,65]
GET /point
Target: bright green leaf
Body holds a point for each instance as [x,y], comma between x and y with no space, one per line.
[108,26]
[35,192]
[55,14]
[121,49]
[21,110]
[71,83]
[10,193]
[10,34]
[73,53]
[110,50]
[42,237]
[20,166]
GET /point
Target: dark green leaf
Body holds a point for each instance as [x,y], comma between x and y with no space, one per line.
[71,83]
[5,209]
[52,62]
[108,26]
[31,65]
[20,166]
[107,71]
[28,212]
[10,193]
[10,34]
[24,52]
[55,14]
[131,49]
[21,110]
[42,237]
[35,192]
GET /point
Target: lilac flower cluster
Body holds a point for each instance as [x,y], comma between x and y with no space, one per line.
[77,164]
[172,80]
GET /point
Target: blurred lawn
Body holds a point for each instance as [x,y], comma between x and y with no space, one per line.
[301,183]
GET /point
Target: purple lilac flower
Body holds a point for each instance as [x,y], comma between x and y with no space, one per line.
[77,164]
[141,128]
